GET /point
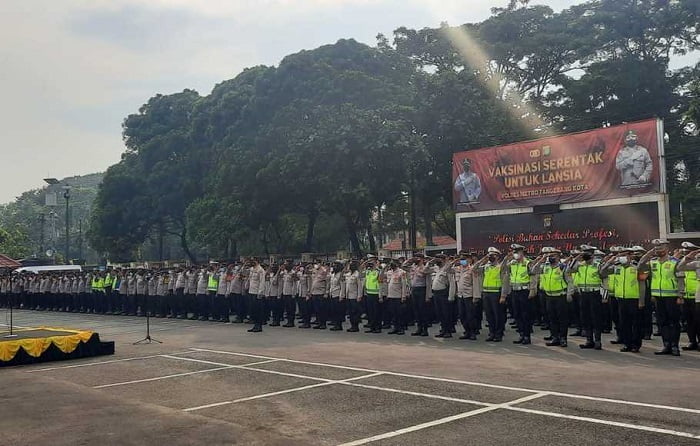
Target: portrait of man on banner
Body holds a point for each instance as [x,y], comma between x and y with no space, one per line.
[467,184]
[634,163]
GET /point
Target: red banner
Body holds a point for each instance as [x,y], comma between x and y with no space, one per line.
[612,162]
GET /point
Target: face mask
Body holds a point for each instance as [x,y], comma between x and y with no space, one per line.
[587,257]
[383,265]
[517,256]
[492,258]
[317,266]
[623,260]
[552,260]
[463,262]
[662,253]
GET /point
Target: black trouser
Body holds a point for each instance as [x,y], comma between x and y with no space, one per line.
[396,309]
[444,310]
[591,303]
[239,306]
[277,307]
[542,307]
[258,310]
[606,315]
[495,314]
[337,311]
[290,308]
[322,306]
[668,316]
[630,323]
[420,307]
[385,312]
[466,310]
[523,311]
[354,311]
[575,311]
[558,317]
[648,316]
[305,310]
[479,312]
[615,314]
[374,317]
[690,310]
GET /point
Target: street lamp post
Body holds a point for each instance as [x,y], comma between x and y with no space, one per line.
[66,195]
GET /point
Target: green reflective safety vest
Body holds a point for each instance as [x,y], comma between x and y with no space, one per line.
[691,284]
[663,278]
[372,282]
[492,279]
[586,276]
[98,284]
[109,281]
[627,282]
[519,275]
[552,281]
[213,283]
[612,281]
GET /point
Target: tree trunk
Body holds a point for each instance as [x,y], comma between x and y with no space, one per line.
[161,236]
[265,243]
[370,236]
[185,247]
[352,234]
[428,220]
[234,250]
[310,227]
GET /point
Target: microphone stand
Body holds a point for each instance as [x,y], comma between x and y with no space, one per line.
[148,339]
[11,301]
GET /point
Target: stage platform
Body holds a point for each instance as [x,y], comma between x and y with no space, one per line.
[43,344]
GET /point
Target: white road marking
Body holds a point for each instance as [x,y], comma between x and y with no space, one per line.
[158,378]
[111,361]
[281,392]
[470,383]
[440,421]
[607,422]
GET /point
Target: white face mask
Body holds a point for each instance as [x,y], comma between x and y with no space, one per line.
[517,256]
[622,259]
[317,266]
[383,265]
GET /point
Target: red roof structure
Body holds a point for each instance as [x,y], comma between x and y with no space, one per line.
[6,262]
[439,240]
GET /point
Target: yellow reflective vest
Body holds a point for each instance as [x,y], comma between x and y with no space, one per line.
[664,282]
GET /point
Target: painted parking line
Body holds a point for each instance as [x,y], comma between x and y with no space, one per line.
[470,383]
[606,422]
[280,392]
[111,361]
[440,421]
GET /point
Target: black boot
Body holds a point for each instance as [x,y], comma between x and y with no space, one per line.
[665,351]
[553,343]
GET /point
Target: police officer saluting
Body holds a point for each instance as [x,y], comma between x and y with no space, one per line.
[630,288]
[667,292]
[494,275]
[587,281]
[519,287]
[690,265]
[554,285]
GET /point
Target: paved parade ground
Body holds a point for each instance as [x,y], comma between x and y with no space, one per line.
[213,383]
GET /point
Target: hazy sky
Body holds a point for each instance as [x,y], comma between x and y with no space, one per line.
[72,70]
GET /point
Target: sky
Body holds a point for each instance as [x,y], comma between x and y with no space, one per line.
[72,70]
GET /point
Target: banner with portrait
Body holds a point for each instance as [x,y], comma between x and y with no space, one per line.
[612,162]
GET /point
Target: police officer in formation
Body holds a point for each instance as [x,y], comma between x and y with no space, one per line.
[420,291]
